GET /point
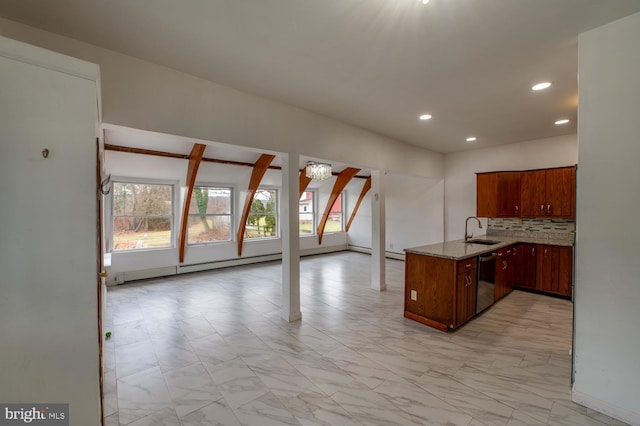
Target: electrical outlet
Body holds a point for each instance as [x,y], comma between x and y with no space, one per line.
[414,295]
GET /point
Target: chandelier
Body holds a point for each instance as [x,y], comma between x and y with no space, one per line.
[318,171]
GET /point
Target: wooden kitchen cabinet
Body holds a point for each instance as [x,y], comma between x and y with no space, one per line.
[526,266]
[498,194]
[548,193]
[444,290]
[466,291]
[554,271]
[505,272]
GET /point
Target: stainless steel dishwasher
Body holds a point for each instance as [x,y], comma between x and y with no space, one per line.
[486,281]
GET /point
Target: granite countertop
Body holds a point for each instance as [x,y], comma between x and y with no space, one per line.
[458,249]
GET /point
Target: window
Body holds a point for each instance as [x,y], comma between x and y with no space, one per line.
[307,216]
[262,220]
[142,215]
[209,215]
[334,221]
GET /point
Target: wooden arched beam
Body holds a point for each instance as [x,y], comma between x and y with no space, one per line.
[341,181]
[365,189]
[259,169]
[192,171]
[304,182]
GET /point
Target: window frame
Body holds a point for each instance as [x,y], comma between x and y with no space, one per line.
[232,214]
[277,215]
[175,213]
[343,200]
[314,213]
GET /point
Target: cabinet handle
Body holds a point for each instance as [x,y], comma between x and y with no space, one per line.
[514,251]
[533,251]
[468,265]
[504,265]
[548,208]
[516,209]
[545,252]
[542,208]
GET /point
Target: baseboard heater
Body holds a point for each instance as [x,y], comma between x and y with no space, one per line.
[122,277]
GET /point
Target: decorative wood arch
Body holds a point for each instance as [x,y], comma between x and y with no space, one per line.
[192,171]
[342,180]
[259,169]
[365,189]
[304,181]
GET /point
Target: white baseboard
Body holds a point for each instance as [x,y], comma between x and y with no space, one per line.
[631,417]
[367,250]
[126,276]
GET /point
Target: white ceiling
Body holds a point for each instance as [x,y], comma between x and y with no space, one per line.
[376,64]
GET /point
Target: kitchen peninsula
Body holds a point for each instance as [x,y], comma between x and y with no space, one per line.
[447,284]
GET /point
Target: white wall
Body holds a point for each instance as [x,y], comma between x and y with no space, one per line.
[146,96]
[607,288]
[49,350]
[461,167]
[413,210]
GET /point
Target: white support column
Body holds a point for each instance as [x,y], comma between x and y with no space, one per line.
[378,245]
[289,230]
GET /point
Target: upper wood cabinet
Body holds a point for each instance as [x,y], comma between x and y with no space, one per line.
[549,193]
[535,193]
[498,194]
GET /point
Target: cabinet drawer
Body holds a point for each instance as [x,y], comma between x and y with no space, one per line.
[466,265]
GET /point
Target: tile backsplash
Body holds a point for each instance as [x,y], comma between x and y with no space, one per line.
[560,229]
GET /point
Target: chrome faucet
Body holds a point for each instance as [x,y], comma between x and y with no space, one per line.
[466,224]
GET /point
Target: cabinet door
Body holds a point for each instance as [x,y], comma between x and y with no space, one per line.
[508,194]
[526,266]
[486,194]
[560,192]
[533,193]
[555,269]
[466,291]
[504,275]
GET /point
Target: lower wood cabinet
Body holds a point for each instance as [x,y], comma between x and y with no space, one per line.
[466,291]
[506,272]
[526,266]
[554,272]
[439,292]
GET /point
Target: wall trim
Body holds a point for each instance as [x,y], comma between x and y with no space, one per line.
[604,407]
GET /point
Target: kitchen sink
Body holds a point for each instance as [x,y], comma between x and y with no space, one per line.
[485,242]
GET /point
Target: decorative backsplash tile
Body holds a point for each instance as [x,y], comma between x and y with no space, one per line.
[560,229]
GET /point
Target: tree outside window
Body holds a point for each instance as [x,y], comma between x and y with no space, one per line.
[209,215]
[142,216]
[262,219]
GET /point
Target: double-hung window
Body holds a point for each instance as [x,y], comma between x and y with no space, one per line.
[307,221]
[335,221]
[262,221]
[142,215]
[210,215]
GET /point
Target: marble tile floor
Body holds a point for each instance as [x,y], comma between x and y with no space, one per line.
[210,348]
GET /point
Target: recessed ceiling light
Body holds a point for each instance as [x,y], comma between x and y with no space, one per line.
[471,139]
[425,1]
[563,121]
[425,117]
[541,86]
